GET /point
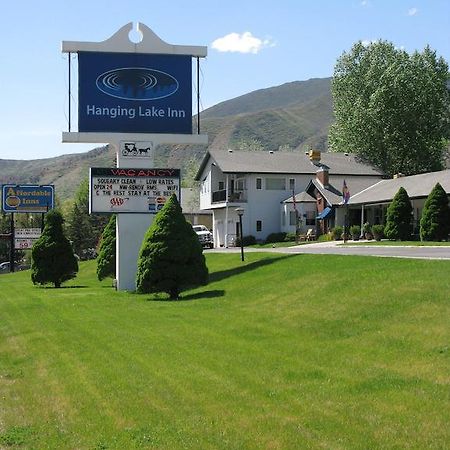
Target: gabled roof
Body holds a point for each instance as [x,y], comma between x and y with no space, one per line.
[303,197]
[417,186]
[332,195]
[237,161]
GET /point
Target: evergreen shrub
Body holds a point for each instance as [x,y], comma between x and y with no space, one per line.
[52,257]
[106,261]
[435,220]
[171,257]
[399,217]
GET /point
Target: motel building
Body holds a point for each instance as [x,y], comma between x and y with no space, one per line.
[274,188]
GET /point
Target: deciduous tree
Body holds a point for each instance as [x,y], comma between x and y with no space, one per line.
[391,107]
[84,229]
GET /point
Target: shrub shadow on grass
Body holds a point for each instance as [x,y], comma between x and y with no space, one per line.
[64,287]
[189,297]
[221,275]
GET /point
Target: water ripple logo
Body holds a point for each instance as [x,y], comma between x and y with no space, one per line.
[137,83]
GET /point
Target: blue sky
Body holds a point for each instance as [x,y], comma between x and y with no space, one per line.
[251,45]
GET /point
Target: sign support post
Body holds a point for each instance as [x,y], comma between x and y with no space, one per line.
[12,250]
[131,228]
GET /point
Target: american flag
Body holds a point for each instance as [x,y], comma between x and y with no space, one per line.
[293,197]
[345,193]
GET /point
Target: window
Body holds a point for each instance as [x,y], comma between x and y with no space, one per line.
[259,225]
[221,185]
[291,184]
[275,184]
[310,218]
[292,218]
[240,184]
[258,183]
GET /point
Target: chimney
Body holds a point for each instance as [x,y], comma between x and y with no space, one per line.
[314,156]
[322,176]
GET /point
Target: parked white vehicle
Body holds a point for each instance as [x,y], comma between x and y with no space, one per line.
[204,235]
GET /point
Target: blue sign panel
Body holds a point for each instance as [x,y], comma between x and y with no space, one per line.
[27,198]
[134,93]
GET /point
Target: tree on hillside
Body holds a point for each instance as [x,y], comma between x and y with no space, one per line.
[5,228]
[435,220]
[391,108]
[52,258]
[84,229]
[106,260]
[399,217]
[171,257]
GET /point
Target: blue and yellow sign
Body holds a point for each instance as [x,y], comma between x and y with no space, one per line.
[27,198]
[134,93]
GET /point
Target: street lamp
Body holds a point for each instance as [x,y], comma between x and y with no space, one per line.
[240,213]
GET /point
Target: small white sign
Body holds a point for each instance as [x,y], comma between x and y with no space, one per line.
[23,244]
[30,233]
[138,149]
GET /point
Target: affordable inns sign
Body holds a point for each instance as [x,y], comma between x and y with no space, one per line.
[134,93]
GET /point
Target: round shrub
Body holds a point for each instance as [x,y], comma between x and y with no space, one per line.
[248,240]
[378,232]
[290,237]
[336,232]
[355,231]
[276,237]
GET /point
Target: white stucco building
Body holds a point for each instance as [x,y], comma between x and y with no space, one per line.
[264,184]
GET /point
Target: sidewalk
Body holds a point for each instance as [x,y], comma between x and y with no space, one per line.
[337,248]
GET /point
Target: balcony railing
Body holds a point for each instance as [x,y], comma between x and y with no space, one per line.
[236,196]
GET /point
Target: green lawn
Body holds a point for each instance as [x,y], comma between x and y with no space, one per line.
[279,352]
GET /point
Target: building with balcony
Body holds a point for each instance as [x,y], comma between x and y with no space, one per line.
[265,184]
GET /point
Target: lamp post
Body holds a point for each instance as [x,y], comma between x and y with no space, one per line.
[240,213]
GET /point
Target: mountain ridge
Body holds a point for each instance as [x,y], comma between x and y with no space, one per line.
[291,116]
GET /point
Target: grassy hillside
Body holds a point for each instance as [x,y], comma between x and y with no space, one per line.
[294,115]
[65,172]
[284,96]
[279,352]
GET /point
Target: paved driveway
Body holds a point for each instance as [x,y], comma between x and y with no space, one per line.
[334,248]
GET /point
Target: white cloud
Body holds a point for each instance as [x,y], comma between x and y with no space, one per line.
[412,11]
[241,43]
[365,3]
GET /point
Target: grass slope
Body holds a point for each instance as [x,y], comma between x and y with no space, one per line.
[278,352]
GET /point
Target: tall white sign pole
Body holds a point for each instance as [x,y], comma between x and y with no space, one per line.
[132,227]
